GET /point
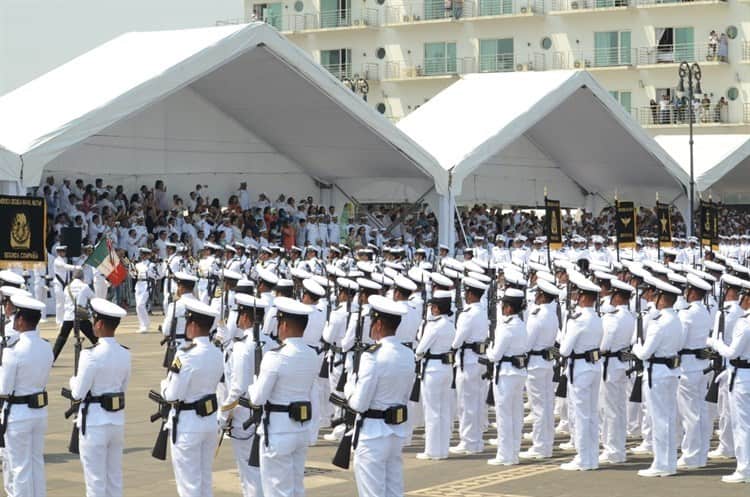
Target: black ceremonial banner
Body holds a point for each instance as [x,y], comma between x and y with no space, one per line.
[554,223]
[709,224]
[626,225]
[665,225]
[24,219]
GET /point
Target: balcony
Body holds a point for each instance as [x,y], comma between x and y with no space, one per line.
[584,6]
[509,63]
[369,71]
[677,116]
[329,20]
[594,59]
[649,4]
[429,69]
[672,55]
[424,12]
[746,51]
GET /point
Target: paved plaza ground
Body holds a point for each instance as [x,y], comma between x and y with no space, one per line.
[466,476]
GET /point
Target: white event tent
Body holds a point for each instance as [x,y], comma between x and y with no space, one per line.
[721,163]
[506,136]
[211,106]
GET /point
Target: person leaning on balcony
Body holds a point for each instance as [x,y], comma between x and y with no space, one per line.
[720,110]
[705,108]
[713,44]
[458,9]
[723,48]
[654,111]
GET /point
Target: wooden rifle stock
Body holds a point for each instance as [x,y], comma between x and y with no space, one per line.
[636,395]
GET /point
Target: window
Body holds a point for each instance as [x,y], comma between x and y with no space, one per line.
[439,58]
[335,13]
[612,48]
[496,55]
[624,97]
[435,9]
[495,7]
[673,45]
[270,13]
[338,62]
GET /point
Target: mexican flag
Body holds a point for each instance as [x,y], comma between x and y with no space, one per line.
[106,261]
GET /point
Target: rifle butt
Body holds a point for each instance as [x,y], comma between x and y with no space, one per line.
[168,356]
[562,387]
[160,447]
[343,455]
[342,382]
[490,400]
[254,460]
[636,395]
[73,443]
[323,373]
[416,390]
[712,395]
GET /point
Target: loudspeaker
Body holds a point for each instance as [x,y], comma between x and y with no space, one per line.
[72,238]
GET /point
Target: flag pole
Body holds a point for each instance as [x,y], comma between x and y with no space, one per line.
[617,231]
[549,230]
[658,232]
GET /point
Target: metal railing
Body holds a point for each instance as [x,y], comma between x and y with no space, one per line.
[502,62]
[679,114]
[340,71]
[437,66]
[370,71]
[746,51]
[593,58]
[746,113]
[567,5]
[648,3]
[416,12]
[676,53]
[484,8]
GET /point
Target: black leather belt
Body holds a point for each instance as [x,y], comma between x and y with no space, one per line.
[737,364]
[205,406]
[445,358]
[110,402]
[609,355]
[591,355]
[698,353]
[672,362]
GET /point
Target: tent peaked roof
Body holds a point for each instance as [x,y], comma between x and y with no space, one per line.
[250,72]
[715,161]
[567,114]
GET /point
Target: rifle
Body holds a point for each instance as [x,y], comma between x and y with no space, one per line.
[2,330]
[342,378]
[492,304]
[343,455]
[636,395]
[66,393]
[171,339]
[160,447]
[717,362]
[487,375]
[562,384]
[416,388]
[256,337]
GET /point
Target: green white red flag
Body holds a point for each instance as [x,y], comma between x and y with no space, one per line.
[107,262]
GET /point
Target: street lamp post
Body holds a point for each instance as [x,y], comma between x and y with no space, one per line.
[693,75]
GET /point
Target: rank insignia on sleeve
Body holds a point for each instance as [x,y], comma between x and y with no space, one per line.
[176,365]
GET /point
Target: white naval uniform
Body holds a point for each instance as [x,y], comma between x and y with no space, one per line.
[472,327]
[144,272]
[176,308]
[312,336]
[692,408]
[194,374]
[172,265]
[542,328]
[663,339]
[406,333]
[333,334]
[25,371]
[104,368]
[242,366]
[739,397]
[732,313]
[618,326]
[385,378]
[61,280]
[584,333]
[436,385]
[510,340]
[286,375]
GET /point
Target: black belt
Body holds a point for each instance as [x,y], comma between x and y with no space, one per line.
[517,361]
[607,356]
[111,402]
[33,401]
[479,348]
[393,415]
[591,355]
[698,353]
[737,364]
[293,409]
[204,406]
[445,357]
[672,362]
[545,354]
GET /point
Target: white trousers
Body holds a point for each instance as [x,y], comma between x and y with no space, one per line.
[59,301]
[614,405]
[24,451]
[192,462]
[583,397]
[141,298]
[470,395]
[724,411]
[509,415]
[661,398]
[378,467]
[739,400]
[436,402]
[249,476]
[541,393]
[282,464]
[101,458]
[319,406]
[693,414]
[635,412]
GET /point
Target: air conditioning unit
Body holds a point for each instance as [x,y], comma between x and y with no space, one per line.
[356,22]
[577,64]
[407,18]
[574,5]
[530,66]
[524,10]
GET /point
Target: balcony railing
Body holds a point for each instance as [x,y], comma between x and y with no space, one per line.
[660,3]
[674,54]
[593,58]
[438,66]
[330,19]
[746,113]
[573,5]
[487,8]
[676,115]
[340,71]
[410,13]
[416,12]
[502,62]
[746,51]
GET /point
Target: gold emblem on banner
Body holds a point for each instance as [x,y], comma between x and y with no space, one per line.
[625,221]
[664,221]
[553,226]
[20,234]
